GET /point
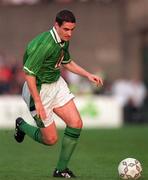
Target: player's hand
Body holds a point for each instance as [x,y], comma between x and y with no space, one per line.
[95,79]
[40,110]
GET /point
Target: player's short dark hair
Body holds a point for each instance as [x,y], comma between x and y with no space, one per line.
[65,15]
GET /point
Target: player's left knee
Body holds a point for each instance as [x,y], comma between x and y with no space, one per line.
[78,124]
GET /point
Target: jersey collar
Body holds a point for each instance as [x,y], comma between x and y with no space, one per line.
[55,35]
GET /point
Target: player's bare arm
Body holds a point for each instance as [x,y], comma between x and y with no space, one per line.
[73,67]
[31,81]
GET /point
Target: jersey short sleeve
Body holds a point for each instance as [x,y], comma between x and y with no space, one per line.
[34,57]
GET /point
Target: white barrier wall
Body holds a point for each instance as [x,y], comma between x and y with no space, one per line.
[96,111]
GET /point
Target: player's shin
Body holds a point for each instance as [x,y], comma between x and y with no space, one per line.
[70,139]
[32,132]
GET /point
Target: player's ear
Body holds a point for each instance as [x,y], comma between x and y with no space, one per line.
[56,25]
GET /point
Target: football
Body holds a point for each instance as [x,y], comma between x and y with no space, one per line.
[129,168]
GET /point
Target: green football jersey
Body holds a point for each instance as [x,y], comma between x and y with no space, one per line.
[44,55]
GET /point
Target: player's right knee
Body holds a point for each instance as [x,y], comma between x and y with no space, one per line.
[50,140]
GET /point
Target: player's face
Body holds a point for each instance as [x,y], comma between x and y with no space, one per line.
[65,30]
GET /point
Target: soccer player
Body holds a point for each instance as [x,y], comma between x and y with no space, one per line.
[45,91]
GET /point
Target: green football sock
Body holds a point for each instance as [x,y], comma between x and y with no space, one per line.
[31,131]
[69,143]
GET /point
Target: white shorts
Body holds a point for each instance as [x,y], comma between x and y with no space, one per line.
[52,96]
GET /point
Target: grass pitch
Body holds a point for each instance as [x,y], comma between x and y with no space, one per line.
[96,157]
